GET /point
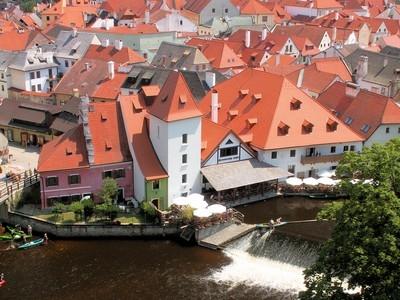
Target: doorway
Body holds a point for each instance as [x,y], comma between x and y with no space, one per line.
[155,202]
[120,196]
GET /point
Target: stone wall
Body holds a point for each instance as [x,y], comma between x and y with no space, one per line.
[89,230]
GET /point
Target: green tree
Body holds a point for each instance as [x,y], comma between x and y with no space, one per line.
[109,190]
[88,208]
[27,5]
[363,252]
[77,208]
[57,210]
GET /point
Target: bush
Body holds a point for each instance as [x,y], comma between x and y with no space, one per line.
[58,209]
[187,214]
[107,210]
[109,190]
[88,208]
[77,209]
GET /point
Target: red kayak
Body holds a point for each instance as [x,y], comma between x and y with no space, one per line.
[3,282]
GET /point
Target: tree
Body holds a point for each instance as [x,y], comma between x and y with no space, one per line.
[109,190]
[77,208]
[27,5]
[88,208]
[363,252]
[57,210]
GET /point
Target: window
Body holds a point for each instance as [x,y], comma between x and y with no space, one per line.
[345,148]
[50,73]
[226,10]
[184,159]
[48,18]
[213,10]
[66,63]
[184,178]
[37,74]
[74,179]
[231,151]
[293,153]
[33,88]
[184,139]
[39,87]
[365,128]
[352,148]
[291,168]
[264,19]
[383,91]
[398,130]
[348,120]
[2,88]
[387,130]
[107,174]
[333,149]
[119,173]
[2,75]
[32,75]
[180,22]
[156,184]
[274,155]
[184,194]
[52,181]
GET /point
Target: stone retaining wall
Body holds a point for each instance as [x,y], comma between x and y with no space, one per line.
[90,230]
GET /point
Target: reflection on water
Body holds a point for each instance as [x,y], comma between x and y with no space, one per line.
[148,269]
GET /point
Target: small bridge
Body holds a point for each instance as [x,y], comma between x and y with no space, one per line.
[17,183]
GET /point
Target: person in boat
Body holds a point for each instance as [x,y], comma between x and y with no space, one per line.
[46,239]
[279,220]
[30,230]
[272,223]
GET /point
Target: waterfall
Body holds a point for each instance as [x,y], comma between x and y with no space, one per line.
[272,261]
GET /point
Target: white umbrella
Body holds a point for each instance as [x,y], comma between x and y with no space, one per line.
[196,204]
[202,213]
[310,181]
[217,209]
[85,198]
[326,181]
[294,181]
[368,181]
[330,173]
[196,197]
[354,181]
[180,201]
[337,181]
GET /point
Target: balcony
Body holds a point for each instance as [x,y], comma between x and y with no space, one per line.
[320,159]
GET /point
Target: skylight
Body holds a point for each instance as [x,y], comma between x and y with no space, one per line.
[365,128]
[348,120]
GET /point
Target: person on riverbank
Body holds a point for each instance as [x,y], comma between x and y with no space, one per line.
[279,220]
[271,223]
[30,230]
[46,239]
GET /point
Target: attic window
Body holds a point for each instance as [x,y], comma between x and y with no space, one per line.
[203,145]
[108,146]
[283,129]
[30,60]
[164,98]
[232,114]
[182,99]
[295,104]
[68,151]
[186,52]
[348,120]
[252,121]
[257,96]
[244,92]
[365,128]
[103,117]
[331,125]
[307,127]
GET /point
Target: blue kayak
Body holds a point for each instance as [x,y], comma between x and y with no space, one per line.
[31,244]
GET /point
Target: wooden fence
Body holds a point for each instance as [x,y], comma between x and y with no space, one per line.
[16,183]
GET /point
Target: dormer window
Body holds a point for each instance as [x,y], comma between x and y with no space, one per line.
[232,114]
[331,125]
[348,120]
[307,127]
[295,104]
[251,122]
[68,151]
[103,117]
[257,96]
[182,99]
[283,129]
[243,92]
[365,128]
[108,146]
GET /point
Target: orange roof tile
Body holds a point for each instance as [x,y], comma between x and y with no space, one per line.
[254,7]
[333,65]
[109,89]
[124,56]
[151,90]
[272,109]
[168,105]
[138,137]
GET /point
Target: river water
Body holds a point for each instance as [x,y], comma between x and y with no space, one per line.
[254,267]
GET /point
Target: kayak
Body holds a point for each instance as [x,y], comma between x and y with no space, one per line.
[31,244]
[6,237]
[2,282]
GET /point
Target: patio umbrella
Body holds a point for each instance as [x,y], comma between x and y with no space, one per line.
[294,181]
[197,203]
[217,209]
[202,213]
[326,181]
[330,173]
[195,196]
[180,201]
[310,181]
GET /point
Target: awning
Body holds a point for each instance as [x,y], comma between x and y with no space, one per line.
[241,173]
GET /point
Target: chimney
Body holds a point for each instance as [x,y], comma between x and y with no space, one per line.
[105,43]
[147,17]
[84,120]
[111,73]
[264,34]
[336,16]
[277,59]
[118,45]
[75,92]
[87,66]
[214,106]
[210,79]
[385,62]
[300,78]
[74,32]
[352,89]
[362,67]
[247,39]
[334,34]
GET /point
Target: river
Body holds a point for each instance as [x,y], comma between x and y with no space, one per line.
[251,268]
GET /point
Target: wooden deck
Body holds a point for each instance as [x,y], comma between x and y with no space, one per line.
[226,235]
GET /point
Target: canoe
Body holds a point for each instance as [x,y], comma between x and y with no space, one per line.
[6,237]
[2,282]
[31,244]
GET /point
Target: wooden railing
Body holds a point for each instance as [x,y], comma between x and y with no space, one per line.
[321,159]
[16,183]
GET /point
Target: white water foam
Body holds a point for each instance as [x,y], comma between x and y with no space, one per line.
[260,271]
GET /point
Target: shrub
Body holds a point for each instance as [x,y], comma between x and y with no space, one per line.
[58,209]
[109,190]
[187,214]
[88,208]
[77,209]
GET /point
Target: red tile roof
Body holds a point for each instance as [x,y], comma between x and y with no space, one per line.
[110,89]
[333,65]
[138,7]
[254,7]
[273,108]
[69,150]
[17,41]
[381,109]
[138,137]
[196,6]
[212,135]
[175,101]
[139,29]
[124,56]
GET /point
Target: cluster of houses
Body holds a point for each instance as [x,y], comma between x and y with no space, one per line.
[169,98]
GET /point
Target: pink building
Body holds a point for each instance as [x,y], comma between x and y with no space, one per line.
[75,164]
